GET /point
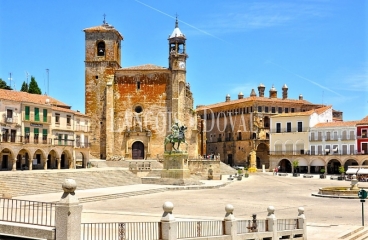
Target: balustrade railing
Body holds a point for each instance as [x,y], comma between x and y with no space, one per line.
[192,229]
[121,231]
[29,212]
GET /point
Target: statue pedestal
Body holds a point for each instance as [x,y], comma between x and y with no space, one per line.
[175,165]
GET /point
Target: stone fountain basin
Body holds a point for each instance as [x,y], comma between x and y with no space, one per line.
[338,191]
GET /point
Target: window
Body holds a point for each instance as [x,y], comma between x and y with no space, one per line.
[57,118]
[352,135]
[344,135]
[138,85]
[280,110]
[26,134]
[278,127]
[266,109]
[364,133]
[273,110]
[68,120]
[352,150]
[313,150]
[44,136]
[9,113]
[335,135]
[292,110]
[259,108]
[26,113]
[286,110]
[35,135]
[37,114]
[300,127]
[312,136]
[239,136]
[45,115]
[319,136]
[288,127]
[101,49]
[328,136]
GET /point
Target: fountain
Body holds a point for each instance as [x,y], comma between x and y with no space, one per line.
[340,192]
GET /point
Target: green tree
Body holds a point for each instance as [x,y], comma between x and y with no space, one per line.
[24,87]
[33,86]
[3,85]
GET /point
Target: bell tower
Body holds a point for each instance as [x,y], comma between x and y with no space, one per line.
[102,58]
[177,65]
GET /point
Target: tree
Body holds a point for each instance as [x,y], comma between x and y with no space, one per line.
[24,87]
[3,85]
[33,86]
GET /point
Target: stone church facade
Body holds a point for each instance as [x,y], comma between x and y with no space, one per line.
[132,109]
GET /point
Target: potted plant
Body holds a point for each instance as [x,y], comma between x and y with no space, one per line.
[295,166]
[341,171]
[246,174]
[240,175]
[322,171]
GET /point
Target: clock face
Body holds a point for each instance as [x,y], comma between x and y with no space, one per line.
[181,64]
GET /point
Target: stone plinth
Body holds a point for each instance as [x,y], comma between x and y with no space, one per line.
[175,165]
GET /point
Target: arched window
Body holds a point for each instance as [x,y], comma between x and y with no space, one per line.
[101,49]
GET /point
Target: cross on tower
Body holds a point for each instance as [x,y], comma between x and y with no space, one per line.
[104,21]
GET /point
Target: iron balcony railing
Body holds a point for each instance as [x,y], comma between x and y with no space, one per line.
[308,152]
[291,130]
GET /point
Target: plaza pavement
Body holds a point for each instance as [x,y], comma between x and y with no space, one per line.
[327,218]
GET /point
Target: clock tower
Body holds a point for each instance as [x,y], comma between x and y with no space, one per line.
[177,66]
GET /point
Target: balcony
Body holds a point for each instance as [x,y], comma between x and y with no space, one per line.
[79,144]
[316,153]
[81,128]
[9,119]
[31,119]
[290,130]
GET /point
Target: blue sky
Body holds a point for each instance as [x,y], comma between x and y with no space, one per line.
[318,48]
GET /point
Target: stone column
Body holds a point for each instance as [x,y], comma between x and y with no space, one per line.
[308,169]
[68,213]
[168,222]
[30,164]
[302,223]
[231,227]
[70,163]
[272,222]
[14,166]
[58,160]
[45,164]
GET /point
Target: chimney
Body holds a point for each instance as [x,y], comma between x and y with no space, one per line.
[273,92]
[253,93]
[240,95]
[300,97]
[284,92]
[261,89]
[227,98]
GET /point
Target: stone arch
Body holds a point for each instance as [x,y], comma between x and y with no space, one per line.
[66,160]
[364,162]
[299,147]
[278,146]
[24,159]
[285,165]
[6,158]
[80,160]
[316,165]
[138,150]
[333,165]
[52,159]
[38,158]
[262,156]
[302,165]
[350,162]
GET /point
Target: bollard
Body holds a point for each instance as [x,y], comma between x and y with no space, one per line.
[302,223]
[272,222]
[231,226]
[168,222]
[68,213]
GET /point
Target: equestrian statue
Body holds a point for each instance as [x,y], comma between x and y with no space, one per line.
[177,136]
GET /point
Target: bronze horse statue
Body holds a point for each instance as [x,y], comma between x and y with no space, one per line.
[176,137]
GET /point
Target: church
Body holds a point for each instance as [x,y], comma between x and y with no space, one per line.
[132,109]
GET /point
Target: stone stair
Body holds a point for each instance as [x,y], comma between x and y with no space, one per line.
[360,233]
[22,183]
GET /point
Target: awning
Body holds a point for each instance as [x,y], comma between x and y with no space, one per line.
[363,171]
[352,170]
[318,163]
[302,162]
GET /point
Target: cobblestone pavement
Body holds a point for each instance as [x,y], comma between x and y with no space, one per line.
[327,218]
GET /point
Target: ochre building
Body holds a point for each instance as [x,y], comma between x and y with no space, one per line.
[235,128]
[132,109]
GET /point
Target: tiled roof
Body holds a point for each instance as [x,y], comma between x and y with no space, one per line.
[144,67]
[336,124]
[103,28]
[252,99]
[67,110]
[306,113]
[364,121]
[29,98]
